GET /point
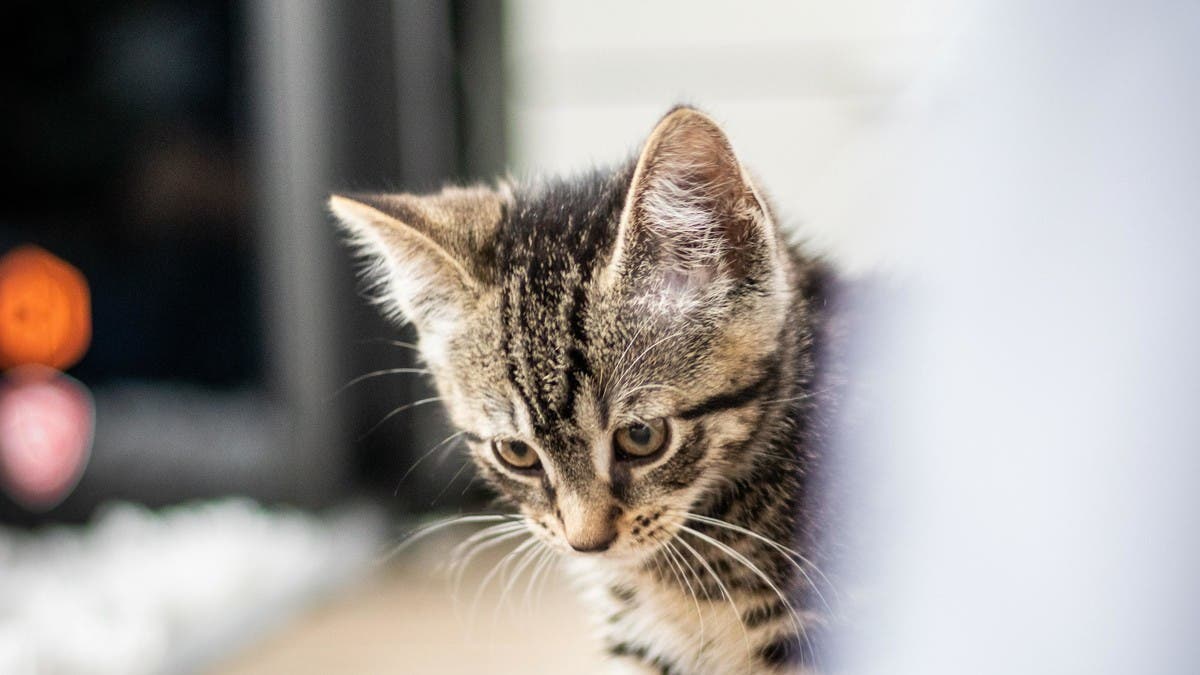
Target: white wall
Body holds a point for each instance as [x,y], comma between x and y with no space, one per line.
[798,85]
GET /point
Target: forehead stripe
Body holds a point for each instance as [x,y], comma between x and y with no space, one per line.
[549,257]
[510,333]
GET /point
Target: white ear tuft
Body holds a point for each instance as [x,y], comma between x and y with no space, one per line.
[691,208]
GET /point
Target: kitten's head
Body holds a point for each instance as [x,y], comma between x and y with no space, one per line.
[602,341]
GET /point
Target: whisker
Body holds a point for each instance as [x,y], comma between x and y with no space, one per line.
[426,530]
[621,359]
[658,567]
[724,591]
[678,581]
[543,561]
[802,397]
[425,456]
[749,565]
[498,567]
[464,553]
[397,411]
[672,553]
[532,554]
[387,341]
[793,399]
[457,552]
[646,352]
[465,464]
[468,486]
[551,568]
[376,373]
[691,570]
[788,553]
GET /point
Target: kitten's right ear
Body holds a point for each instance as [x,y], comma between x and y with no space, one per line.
[426,250]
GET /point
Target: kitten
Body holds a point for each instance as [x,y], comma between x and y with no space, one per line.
[632,355]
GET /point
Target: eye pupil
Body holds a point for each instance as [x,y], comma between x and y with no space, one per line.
[641,439]
[640,433]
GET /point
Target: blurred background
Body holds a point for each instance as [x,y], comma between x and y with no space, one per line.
[212,472]
[177,156]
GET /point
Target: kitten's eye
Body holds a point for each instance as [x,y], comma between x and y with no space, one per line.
[516,454]
[641,439]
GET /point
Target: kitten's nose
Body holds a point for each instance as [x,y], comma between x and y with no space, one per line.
[593,546]
[589,524]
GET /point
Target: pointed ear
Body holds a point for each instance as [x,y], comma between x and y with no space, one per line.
[426,251]
[691,210]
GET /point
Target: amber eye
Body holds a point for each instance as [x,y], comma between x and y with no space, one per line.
[516,454]
[641,439]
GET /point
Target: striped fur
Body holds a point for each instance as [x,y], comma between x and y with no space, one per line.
[555,312]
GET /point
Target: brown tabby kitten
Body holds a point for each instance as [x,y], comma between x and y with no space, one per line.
[632,356]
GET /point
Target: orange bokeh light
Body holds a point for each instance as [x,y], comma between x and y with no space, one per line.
[45,310]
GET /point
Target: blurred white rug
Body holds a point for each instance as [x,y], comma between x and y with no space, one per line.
[139,591]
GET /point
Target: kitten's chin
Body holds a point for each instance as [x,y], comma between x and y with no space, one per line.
[612,560]
[627,557]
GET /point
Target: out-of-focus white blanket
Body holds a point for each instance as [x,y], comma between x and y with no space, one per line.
[139,591]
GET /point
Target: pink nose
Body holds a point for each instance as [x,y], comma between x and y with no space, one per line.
[594,545]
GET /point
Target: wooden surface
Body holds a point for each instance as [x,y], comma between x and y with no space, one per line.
[405,619]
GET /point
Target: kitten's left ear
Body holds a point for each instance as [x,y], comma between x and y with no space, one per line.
[691,210]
